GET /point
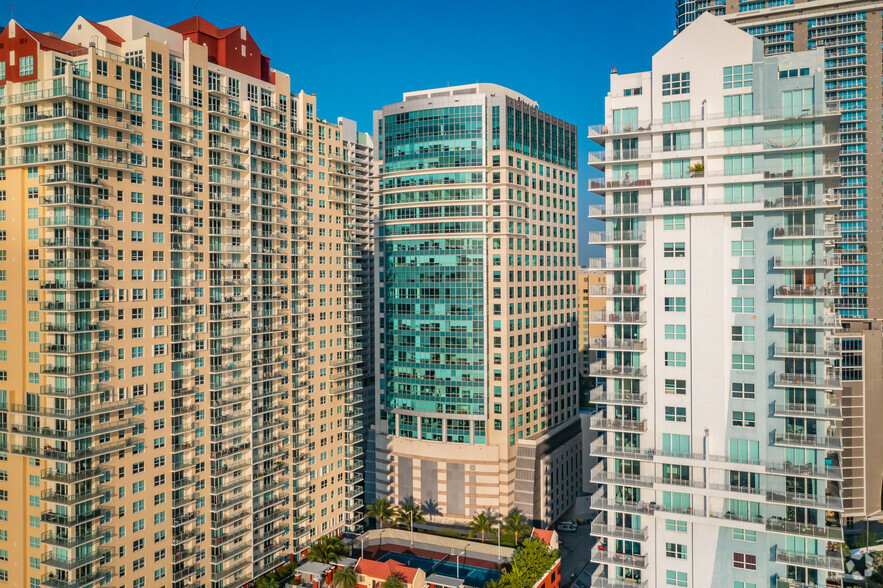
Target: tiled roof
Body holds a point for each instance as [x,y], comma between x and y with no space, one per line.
[381,570]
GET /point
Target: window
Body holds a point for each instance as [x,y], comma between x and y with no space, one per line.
[742,362]
[794,73]
[741,333]
[676,196]
[677,304]
[738,76]
[744,535]
[676,414]
[744,561]
[26,65]
[741,219]
[742,390]
[739,105]
[676,332]
[735,165]
[742,304]
[675,277]
[675,386]
[677,526]
[673,222]
[673,84]
[673,578]
[673,112]
[742,248]
[743,277]
[673,250]
[676,550]
[742,419]
[675,359]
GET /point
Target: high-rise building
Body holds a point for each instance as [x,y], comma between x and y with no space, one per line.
[722,439]
[476,276]
[689,10]
[848,34]
[180,273]
[592,290]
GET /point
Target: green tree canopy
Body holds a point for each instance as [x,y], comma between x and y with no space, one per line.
[382,511]
[408,512]
[516,523]
[328,549]
[345,578]
[482,524]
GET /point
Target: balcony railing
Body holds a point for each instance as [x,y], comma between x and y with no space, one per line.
[833,533]
[602,368]
[601,316]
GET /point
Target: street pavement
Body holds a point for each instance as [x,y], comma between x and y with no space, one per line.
[575,552]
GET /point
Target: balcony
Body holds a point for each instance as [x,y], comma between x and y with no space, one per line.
[829,411]
[600,448]
[805,350]
[617,291]
[826,382]
[601,423]
[599,476]
[601,529]
[805,291]
[811,500]
[600,395]
[822,471]
[603,369]
[775,525]
[826,321]
[617,210]
[784,439]
[599,580]
[619,237]
[600,554]
[618,317]
[830,561]
[823,231]
[623,263]
[807,262]
[615,344]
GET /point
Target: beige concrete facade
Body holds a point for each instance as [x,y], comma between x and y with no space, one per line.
[591,290]
[850,32]
[180,280]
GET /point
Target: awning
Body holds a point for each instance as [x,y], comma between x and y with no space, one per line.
[444,581]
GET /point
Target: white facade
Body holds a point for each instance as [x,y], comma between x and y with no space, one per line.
[720,436]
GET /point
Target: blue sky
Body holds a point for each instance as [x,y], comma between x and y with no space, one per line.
[359,55]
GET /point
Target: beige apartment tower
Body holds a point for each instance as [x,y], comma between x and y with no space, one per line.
[180,271]
[592,290]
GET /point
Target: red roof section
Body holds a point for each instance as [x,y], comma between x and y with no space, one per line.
[381,570]
[225,47]
[53,44]
[544,535]
[112,37]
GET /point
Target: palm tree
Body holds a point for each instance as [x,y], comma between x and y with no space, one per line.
[516,523]
[345,578]
[393,581]
[328,549]
[381,511]
[481,524]
[266,582]
[408,512]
